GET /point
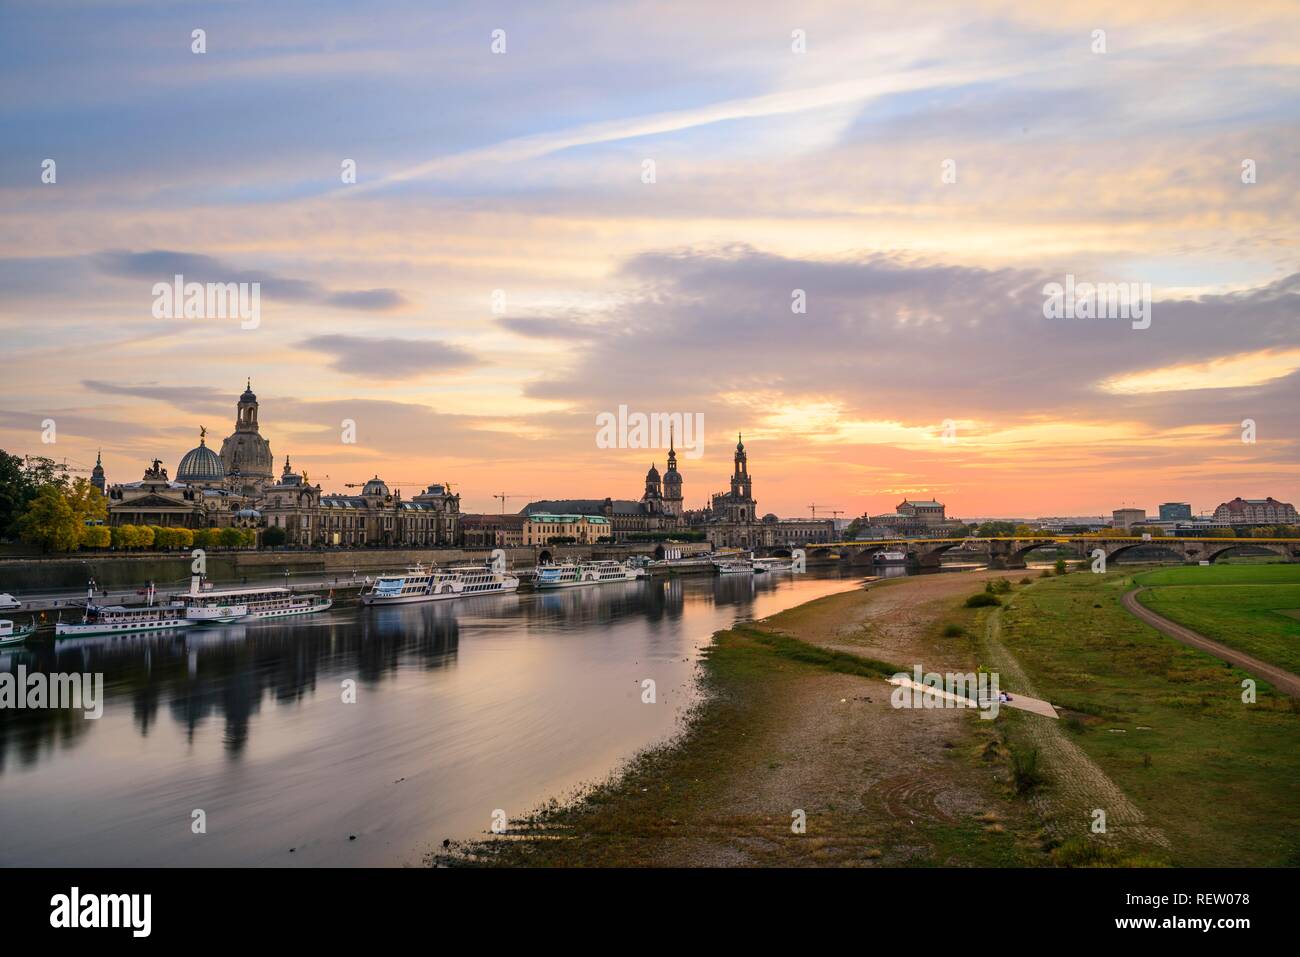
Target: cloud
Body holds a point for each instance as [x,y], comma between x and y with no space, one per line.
[190,398]
[390,358]
[160,265]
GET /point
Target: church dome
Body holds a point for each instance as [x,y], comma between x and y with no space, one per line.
[375,486]
[200,465]
[652,475]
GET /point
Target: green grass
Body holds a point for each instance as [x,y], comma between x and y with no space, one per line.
[1253,608]
[1274,574]
[1217,776]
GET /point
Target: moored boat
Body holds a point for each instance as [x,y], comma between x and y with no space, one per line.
[574,574]
[221,606]
[123,619]
[889,558]
[420,583]
[11,634]
[734,565]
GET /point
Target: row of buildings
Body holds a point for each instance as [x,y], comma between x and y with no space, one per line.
[238,487]
[1239,513]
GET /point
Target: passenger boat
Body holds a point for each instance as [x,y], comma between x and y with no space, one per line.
[773,565]
[208,606]
[11,634]
[437,584]
[889,558]
[573,574]
[122,619]
[734,566]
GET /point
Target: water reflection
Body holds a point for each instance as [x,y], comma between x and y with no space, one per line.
[461,707]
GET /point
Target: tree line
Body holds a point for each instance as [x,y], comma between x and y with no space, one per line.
[42,505]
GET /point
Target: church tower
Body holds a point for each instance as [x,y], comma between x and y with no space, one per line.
[672,481]
[653,497]
[97,473]
[245,454]
[741,505]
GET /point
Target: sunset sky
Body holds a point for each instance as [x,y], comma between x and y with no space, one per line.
[774,171]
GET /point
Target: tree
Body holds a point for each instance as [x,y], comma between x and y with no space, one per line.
[184,537]
[20,481]
[248,537]
[96,536]
[273,536]
[230,537]
[50,522]
[87,501]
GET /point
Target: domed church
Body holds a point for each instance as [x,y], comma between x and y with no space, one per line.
[201,466]
[245,454]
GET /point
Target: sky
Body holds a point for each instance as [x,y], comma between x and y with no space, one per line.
[504,269]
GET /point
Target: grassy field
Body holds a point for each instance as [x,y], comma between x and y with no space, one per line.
[1165,722]
[1273,574]
[1254,608]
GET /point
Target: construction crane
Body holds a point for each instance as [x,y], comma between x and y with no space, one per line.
[503,496]
[60,466]
[825,508]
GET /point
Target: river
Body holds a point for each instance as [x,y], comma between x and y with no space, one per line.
[462,709]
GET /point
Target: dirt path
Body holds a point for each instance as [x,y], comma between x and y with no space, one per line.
[1078,786]
[1285,681]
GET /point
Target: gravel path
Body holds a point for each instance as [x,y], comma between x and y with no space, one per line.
[1281,679]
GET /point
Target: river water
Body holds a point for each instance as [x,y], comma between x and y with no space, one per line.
[462,708]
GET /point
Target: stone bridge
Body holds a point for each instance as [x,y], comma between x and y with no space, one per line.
[1011,552]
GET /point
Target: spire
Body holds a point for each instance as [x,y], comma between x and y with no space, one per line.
[99,458]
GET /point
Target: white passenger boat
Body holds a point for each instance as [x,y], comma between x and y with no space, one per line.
[420,583]
[574,574]
[122,619]
[773,565]
[11,634]
[889,558]
[220,606]
[735,565]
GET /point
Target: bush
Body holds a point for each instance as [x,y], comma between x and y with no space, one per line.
[1024,770]
[982,600]
[1025,581]
[953,631]
[1060,566]
[997,586]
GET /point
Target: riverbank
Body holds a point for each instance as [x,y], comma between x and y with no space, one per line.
[796,724]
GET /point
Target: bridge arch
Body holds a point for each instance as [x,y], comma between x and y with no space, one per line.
[1219,549]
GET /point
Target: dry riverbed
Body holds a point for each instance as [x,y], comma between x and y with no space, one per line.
[796,724]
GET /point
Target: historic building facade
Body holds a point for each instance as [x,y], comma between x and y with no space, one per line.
[730,520]
[1256,511]
[377,516]
[236,487]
